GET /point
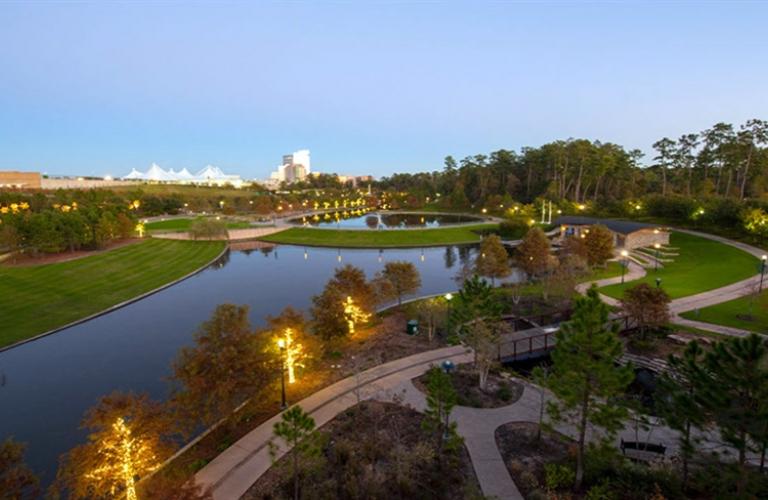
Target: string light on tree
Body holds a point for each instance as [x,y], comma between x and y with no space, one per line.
[293,352]
[354,315]
[124,458]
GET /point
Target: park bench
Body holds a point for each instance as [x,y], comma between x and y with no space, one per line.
[639,451]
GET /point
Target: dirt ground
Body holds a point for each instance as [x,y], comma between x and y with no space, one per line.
[376,436]
[501,391]
[525,457]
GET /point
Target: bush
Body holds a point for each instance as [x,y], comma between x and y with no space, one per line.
[503,392]
[558,476]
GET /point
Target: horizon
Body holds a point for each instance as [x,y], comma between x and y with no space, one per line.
[93,90]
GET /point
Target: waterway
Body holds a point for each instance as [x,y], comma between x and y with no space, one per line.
[51,382]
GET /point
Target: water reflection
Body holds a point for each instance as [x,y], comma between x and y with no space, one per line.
[396,220]
[52,381]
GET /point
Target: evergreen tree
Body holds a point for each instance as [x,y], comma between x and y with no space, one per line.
[297,431]
[441,400]
[584,373]
[679,395]
[734,392]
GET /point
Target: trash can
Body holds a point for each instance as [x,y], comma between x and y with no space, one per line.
[412,327]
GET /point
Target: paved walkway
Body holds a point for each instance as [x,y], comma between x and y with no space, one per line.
[231,473]
[699,300]
[234,471]
[233,234]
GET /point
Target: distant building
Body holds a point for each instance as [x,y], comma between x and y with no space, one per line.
[295,167]
[210,175]
[14,179]
[626,234]
[356,180]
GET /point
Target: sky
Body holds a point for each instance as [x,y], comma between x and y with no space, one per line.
[98,88]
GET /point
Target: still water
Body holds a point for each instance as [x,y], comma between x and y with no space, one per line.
[374,220]
[49,383]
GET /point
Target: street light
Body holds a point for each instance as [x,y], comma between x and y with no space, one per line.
[656,265]
[281,345]
[762,271]
[448,296]
[658,282]
[624,254]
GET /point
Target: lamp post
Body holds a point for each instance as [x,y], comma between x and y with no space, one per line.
[762,271]
[658,282]
[281,345]
[656,264]
[624,265]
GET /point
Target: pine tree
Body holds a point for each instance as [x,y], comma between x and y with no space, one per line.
[734,392]
[297,431]
[441,399]
[679,398]
[584,373]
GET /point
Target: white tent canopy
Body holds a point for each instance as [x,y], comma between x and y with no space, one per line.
[209,174]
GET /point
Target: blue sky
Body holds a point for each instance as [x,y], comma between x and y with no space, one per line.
[99,88]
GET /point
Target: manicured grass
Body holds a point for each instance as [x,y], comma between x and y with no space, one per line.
[728,314]
[184,224]
[379,239]
[36,299]
[701,265]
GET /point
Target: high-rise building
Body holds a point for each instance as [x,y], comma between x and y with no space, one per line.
[295,167]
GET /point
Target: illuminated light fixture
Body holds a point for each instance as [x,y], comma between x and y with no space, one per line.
[306,254]
[624,253]
[381,255]
[582,206]
[421,257]
[485,210]
[140,229]
[448,296]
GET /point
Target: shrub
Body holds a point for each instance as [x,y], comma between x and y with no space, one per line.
[503,392]
[558,476]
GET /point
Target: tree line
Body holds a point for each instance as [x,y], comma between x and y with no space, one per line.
[724,160]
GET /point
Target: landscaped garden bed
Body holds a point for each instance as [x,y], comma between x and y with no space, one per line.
[374,450]
[501,390]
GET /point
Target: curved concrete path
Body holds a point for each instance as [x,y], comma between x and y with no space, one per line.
[235,470]
[699,300]
[231,473]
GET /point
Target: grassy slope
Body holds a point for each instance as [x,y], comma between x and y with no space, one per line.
[36,299]
[727,314]
[183,225]
[702,265]
[377,239]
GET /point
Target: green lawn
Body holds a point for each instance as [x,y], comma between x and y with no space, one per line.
[727,314]
[379,239]
[702,265]
[183,225]
[36,299]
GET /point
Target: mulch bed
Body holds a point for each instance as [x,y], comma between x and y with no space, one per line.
[501,390]
[367,434]
[525,457]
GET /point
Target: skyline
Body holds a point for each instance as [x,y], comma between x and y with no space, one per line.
[91,89]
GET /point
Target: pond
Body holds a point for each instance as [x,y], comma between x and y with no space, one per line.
[49,383]
[383,220]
